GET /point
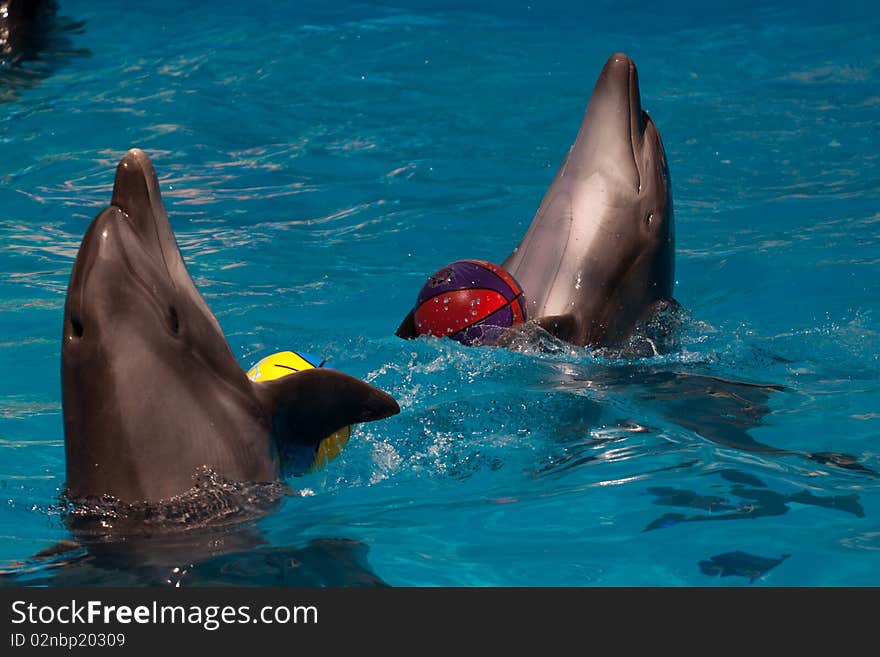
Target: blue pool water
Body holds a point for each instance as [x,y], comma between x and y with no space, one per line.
[318,160]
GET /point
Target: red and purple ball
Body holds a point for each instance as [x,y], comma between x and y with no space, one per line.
[471,301]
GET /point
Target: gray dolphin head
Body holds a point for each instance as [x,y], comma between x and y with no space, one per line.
[599,251]
[151,392]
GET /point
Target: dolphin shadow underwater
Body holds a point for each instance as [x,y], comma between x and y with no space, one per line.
[210,558]
[596,268]
[189,543]
[172,452]
[34,40]
[210,555]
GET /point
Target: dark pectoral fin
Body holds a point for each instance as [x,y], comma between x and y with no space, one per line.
[560,326]
[407,328]
[308,406]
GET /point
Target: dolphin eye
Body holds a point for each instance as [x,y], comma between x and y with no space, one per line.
[173,321]
[76,325]
[649,219]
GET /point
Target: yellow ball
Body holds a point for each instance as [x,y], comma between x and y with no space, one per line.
[285,363]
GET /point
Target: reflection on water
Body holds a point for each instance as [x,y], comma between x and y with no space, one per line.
[201,558]
[203,537]
[34,42]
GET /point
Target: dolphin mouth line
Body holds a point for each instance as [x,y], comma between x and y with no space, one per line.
[75,309]
[137,185]
[139,281]
[123,246]
[158,305]
[154,229]
[635,118]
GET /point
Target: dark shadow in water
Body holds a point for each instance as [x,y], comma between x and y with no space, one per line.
[719,410]
[575,455]
[34,42]
[740,564]
[745,503]
[207,536]
[689,499]
[737,477]
[201,558]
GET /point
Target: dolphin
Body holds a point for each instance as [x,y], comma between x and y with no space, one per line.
[151,393]
[597,259]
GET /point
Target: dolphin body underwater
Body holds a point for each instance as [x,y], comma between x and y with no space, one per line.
[598,257]
[151,392]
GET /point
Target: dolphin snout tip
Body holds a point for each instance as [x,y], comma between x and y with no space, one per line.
[133,170]
[620,64]
[619,80]
[135,182]
[134,158]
